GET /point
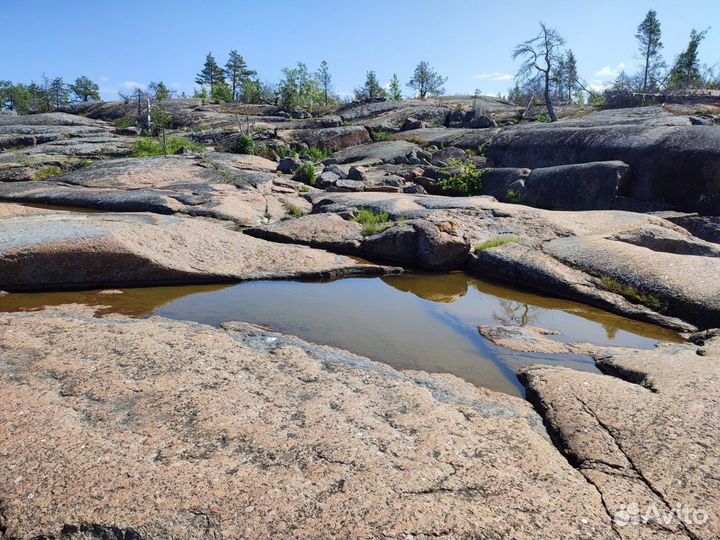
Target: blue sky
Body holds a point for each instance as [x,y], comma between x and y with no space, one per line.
[124,43]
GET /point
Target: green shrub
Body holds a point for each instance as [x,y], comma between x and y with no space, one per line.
[513,196]
[497,242]
[372,222]
[467,181]
[283,152]
[544,117]
[304,189]
[151,147]
[316,153]
[380,135]
[47,172]
[125,122]
[306,174]
[244,144]
[294,211]
[633,294]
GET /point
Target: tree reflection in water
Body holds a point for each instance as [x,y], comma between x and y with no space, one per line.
[515,313]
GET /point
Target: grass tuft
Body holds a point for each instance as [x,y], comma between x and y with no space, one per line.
[47,172]
[152,147]
[497,242]
[373,222]
[306,174]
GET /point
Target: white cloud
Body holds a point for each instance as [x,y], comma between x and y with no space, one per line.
[608,72]
[104,79]
[132,85]
[496,76]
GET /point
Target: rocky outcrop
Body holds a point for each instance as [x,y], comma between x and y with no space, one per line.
[585,186]
[72,250]
[409,242]
[540,249]
[378,152]
[235,187]
[661,158]
[156,429]
[329,139]
[645,435]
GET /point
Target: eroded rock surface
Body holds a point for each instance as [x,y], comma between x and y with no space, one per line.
[174,429]
[89,250]
[646,434]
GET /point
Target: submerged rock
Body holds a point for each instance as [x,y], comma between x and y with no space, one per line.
[157,428]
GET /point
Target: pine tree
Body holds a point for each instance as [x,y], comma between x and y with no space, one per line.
[371,89]
[571,75]
[160,91]
[85,90]
[211,73]
[237,72]
[686,71]
[426,81]
[324,81]
[648,36]
[394,92]
[59,93]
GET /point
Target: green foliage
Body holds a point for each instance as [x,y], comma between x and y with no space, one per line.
[544,117]
[685,73]
[152,147]
[160,91]
[316,153]
[244,144]
[283,152]
[466,181]
[124,122]
[306,174]
[426,81]
[160,118]
[380,135]
[47,172]
[373,222]
[633,294]
[370,89]
[304,189]
[299,89]
[497,242]
[394,92]
[211,74]
[237,73]
[293,211]
[512,196]
[85,90]
[221,92]
[263,150]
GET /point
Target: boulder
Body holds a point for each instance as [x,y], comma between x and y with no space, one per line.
[705,227]
[660,157]
[324,231]
[412,123]
[289,165]
[585,186]
[430,246]
[385,151]
[330,139]
[327,179]
[70,250]
[347,185]
[152,428]
[497,181]
[448,154]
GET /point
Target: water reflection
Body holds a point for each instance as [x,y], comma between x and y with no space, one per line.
[417,321]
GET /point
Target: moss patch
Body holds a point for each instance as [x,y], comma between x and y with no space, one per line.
[47,172]
[633,294]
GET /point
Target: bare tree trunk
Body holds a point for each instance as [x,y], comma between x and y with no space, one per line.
[548,101]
